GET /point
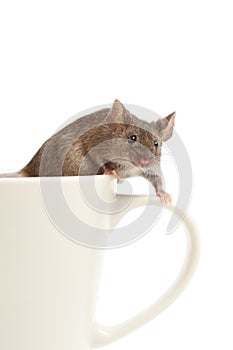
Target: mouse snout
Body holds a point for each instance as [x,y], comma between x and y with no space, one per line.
[144,161]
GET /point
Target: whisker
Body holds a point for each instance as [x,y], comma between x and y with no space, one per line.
[166,161]
[165,154]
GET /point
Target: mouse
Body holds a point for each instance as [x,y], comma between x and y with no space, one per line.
[110,141]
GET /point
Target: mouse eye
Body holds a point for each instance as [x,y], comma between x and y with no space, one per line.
[156,144]
[132,139]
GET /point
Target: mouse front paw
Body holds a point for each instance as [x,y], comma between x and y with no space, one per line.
[164,197]
[112,172]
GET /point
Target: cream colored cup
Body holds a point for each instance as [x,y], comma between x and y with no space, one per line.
[48,281]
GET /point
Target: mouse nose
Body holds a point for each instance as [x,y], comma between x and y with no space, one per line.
[144,161]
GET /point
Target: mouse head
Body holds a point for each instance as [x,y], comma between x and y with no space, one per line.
[138,141]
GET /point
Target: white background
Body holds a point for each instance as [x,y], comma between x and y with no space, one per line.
[61,57]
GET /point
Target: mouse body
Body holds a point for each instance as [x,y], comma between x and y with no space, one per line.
[110,141]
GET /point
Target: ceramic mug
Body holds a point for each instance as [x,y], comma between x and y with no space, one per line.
[49,275]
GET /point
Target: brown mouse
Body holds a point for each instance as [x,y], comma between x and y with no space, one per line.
[109,141]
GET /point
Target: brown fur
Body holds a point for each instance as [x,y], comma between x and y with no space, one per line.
[98,143]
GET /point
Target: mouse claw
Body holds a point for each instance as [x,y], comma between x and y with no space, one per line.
[112,172]
[165,198]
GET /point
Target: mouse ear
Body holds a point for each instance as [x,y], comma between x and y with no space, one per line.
[118,114]
[165,126]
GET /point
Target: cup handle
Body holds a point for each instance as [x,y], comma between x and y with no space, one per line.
[104,335]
